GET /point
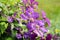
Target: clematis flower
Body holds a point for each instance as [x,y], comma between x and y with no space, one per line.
[45,18]
[32,26]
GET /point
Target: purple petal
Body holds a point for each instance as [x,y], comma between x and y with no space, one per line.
[18,36]
[48,21]
[43,14]
[26,34]
[29,26]
[9,19]
[27,14]
[31,1]
[40,22]
[35,3]
[39,33]
[35,15]
[23,17]
[44,29]
[31,9]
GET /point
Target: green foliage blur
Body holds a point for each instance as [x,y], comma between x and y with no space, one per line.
[51,7]
[7,7]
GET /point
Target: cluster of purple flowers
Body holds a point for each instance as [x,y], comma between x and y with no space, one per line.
[31,16]
[36,27]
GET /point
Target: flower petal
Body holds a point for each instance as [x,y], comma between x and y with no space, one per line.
[43,14]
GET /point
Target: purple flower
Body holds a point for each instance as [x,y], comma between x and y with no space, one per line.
[43,29]
[23,17]
[18,36]
[29,26]
[31,9]
[47,21]
[27,14]
[43,14]
[40,22]
[35,3]
[9,19]
[31,1]
[35,15]
[39,33]
[49,37]
[26,35]
[33,27]
[33,24]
